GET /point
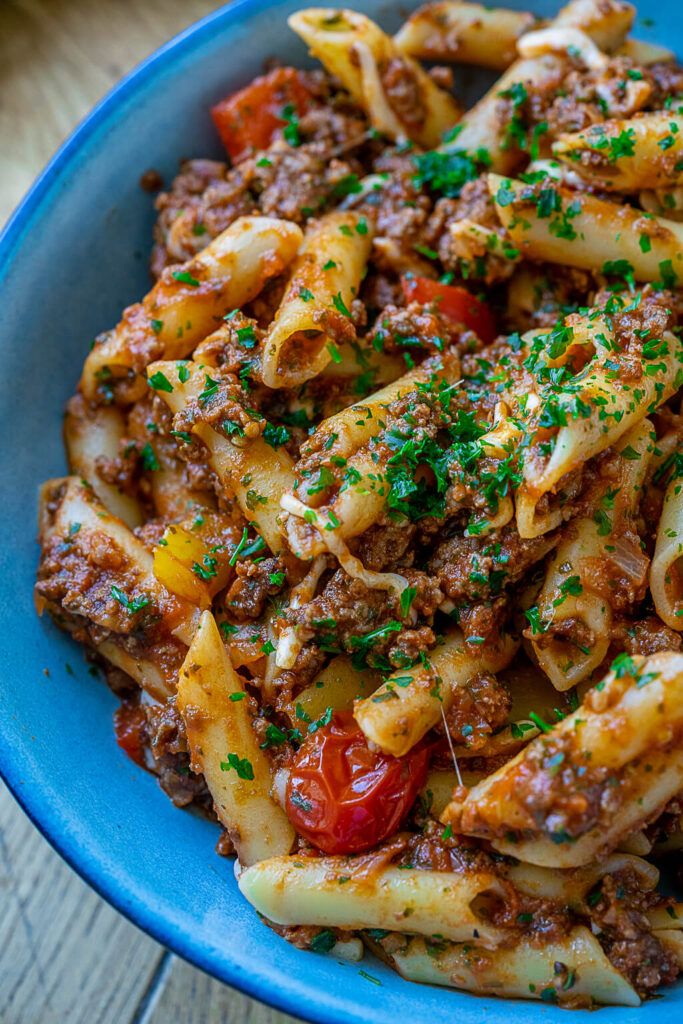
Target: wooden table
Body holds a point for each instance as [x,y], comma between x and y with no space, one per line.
[65,956]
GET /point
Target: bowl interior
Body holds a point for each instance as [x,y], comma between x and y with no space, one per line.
[72,257]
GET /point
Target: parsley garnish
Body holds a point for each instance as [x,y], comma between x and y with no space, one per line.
[242,766]
[131,606]
[160,382]
[185,277]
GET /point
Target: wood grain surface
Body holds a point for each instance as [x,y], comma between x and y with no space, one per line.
[65,956]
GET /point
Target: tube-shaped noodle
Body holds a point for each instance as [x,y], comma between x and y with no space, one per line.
[468,33]
[652,158]
[309,890]
[92,434]
[225,749]
[666,571]
[568,594]
[360,54]
[587,232]
[315,309]
[411,701]
[604,770]
[523,971]
[186,303]
[245,470]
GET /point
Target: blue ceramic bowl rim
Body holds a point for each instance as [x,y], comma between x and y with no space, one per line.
[39,813]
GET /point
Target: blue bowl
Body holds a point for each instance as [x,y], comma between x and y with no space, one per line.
[73,255]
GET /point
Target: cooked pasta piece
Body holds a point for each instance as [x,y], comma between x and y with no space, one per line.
[588,416]
[369,65]
[525,971]
[481,129]
[598,775]
[571,635]
[92,437]
[645,53]
[314,313]
[469,33]
[226,751]
[128,616]
[582,231]
[253,470]
[338,686]
[411,701]
[666,571]
[310,890]
[186,304]
[343,490]
[643,152]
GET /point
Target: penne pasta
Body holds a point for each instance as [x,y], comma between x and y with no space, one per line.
[134,622]
[186,304]
[342,489]
[92,438]
[225,749]
[469,33]
[325,891]
[602,408]
[483,130]
[588,233]
[638,758]
[314,313]
[524,971]
[253,470]
[643,152]
[365,59]
[411,701]
[575,618]
[666,571]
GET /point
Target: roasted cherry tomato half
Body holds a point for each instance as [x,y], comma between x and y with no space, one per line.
[247,120]
[344,797]
[454,303]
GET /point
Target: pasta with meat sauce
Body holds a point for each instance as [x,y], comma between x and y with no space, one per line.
[374,519]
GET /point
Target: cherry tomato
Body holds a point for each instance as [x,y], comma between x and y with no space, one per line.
[129,723]
[344,797]
[247,120]
[455,303]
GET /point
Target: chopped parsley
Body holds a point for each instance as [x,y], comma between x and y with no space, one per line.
[241,765]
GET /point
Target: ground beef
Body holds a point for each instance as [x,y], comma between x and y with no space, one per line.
[666,82]
[478,568]
[413,327]
[625,935]
[477,709]
[402,208]
[255,583]
[346,611]
[645,636]
[485,253]
[387,546]
[203,200]
[167,743]
[571,630]
[403,92]
[293,182]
